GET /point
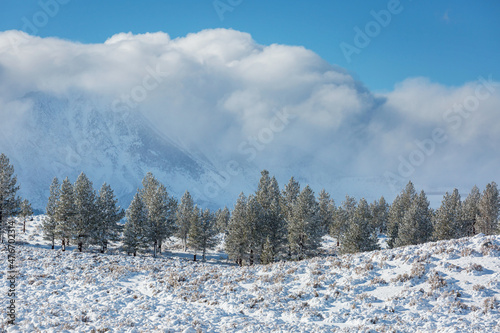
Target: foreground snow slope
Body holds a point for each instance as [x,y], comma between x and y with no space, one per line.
[447,286]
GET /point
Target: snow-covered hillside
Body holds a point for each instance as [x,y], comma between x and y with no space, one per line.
[447,286]
[64,136]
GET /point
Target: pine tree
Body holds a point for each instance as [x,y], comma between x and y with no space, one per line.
[289,197]
[470,212]
[183,217]
[326,212]
[202,232]
[9,202]
[65,213]
[416,227]
[134,238]
[397,211]
[25,211]
[108,215]
[304,229]
[86,212]
[161,209]
[256,229]
[448,219]
[489,206]
[273,222]
[49,224]
[222,217]
[290,194]
[343,215]
[360,236]
[380,212]
[236,241]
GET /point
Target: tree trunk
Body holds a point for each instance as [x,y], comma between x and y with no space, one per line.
[63,245]
[194,257]
[135,253]
[154,249]
[24,226]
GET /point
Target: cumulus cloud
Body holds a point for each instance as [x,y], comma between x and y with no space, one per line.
[266,106]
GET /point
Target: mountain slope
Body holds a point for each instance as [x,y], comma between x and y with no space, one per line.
[65,136]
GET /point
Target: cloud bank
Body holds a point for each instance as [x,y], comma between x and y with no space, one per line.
[220,94]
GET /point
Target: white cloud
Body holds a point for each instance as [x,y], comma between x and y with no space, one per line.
[218,88]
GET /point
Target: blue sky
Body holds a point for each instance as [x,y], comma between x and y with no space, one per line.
[450,42]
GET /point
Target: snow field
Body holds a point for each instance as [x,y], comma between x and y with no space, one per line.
[447,286]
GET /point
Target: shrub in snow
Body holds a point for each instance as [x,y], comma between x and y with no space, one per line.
[472,268]
[489,304]
[436,281]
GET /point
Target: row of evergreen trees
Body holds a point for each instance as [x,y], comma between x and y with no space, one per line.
[268,225]
[154,216]
[76,212]
[411,221]
[272,225]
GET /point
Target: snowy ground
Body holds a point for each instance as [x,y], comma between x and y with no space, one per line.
[444,286]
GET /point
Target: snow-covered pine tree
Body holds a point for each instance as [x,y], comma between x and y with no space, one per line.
[65,213]
[49,224]
[273,222]
[202,232]
[341,218]
[360,236]
[108,215]
[222,217]
[195,230]
[380,213]
[256,229]
[267,256]
[326,207]
[160,223]
[397,211]
[290,194]
[25,212]
[277,229]
[170,226]
[447,222]
[9,202]
[416,227]
[183,217]
[134,238]
[489,206]
[86,210]
[304,229]
[236,242]
[289,197]
[470,212]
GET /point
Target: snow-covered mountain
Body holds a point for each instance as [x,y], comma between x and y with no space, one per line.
[65,136]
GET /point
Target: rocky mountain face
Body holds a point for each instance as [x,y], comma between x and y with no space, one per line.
[65,136]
